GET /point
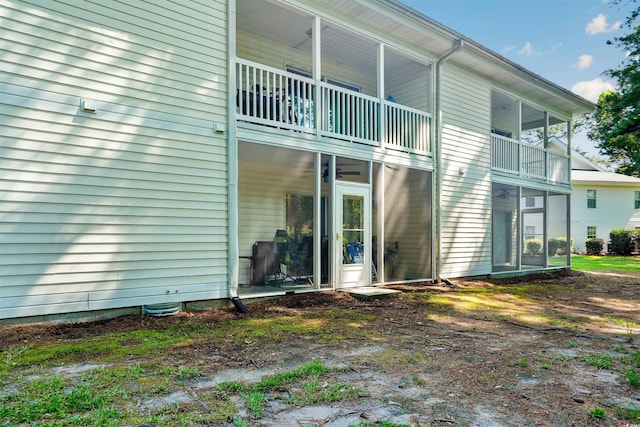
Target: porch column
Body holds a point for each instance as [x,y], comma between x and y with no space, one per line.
[547,169]
[520,228]
[568,246]
[317,72]
[317,215]
[382,137]
[545,229]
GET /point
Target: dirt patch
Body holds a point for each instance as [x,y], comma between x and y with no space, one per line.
[511,352]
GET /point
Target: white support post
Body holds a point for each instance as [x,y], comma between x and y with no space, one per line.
[520,228]
[381,217]
[333,224]
[317,215]
[316,33]
[545,229]
[547,169]
[381,89]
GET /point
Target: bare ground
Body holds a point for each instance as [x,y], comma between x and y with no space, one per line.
[481,353]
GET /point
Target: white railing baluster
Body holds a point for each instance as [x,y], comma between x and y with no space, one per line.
[276,98]
[523,159]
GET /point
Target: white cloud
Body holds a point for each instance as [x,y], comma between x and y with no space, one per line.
[584,62]
[599,25]
[508,49]
[527,49]
[591,89]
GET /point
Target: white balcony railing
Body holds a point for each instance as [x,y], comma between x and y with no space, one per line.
[558,169]
[505,154]
[533,164]
[527,160]
[350,115]
[407,129]
[271,97]
[275,98]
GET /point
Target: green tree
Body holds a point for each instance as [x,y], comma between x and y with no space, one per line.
[616,120]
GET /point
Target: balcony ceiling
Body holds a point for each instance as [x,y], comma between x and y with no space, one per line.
[404,26]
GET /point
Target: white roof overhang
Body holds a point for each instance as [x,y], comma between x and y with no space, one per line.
[414,28]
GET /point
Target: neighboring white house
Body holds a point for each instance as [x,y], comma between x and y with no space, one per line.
[172,152]
[600,202]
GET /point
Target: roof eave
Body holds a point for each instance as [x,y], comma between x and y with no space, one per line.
[580,105]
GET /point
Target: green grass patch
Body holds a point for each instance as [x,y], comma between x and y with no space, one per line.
[103,349]
[633,378]
[313,369]
[378,424]
[312,393]
[597,413]
[332,325]
[600,361]
[628,414]
[299,387]
[605,263]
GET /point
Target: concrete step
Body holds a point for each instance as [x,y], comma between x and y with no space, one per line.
[370,292]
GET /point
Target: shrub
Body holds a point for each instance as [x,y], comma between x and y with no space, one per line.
[534,246]
[622,241]
[562,246]
[553,245]
[594,246]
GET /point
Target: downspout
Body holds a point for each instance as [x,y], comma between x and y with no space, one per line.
[438,159]
[232,164]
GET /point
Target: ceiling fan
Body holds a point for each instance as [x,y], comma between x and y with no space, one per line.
[503,194]
[339,173]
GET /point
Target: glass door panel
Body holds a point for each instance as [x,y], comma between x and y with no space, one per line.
[353,235]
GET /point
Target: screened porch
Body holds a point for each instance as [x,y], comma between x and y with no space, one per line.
[331,84]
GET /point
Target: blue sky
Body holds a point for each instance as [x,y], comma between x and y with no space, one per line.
[564,41]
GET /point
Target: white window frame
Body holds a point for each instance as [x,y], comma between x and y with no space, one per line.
[592,195]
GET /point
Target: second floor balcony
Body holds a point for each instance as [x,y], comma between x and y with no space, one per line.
[520,141]
[299,72]
[528,161]
[286,100]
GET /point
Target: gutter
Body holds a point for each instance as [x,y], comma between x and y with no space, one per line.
[438,159]
[524,74]
[232,167]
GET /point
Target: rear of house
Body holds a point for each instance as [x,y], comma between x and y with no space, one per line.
[179,152]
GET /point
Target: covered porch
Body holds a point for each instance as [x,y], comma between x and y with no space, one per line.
[520,135]
[309,221]
[529,228]
[298,72]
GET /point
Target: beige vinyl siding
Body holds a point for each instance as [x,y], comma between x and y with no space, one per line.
[267,52]
[408,221]
[408,85]
[466,196]
[128,205]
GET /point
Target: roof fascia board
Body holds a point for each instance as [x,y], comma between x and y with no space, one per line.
[515,69]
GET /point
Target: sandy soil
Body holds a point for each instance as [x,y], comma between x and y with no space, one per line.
[453,358]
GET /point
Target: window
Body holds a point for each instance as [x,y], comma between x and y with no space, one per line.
[530,202]
[299,215]
[529,232]
[591,199]
[591,232]
[636,202]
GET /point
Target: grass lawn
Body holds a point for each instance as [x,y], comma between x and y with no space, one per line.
[605,263]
